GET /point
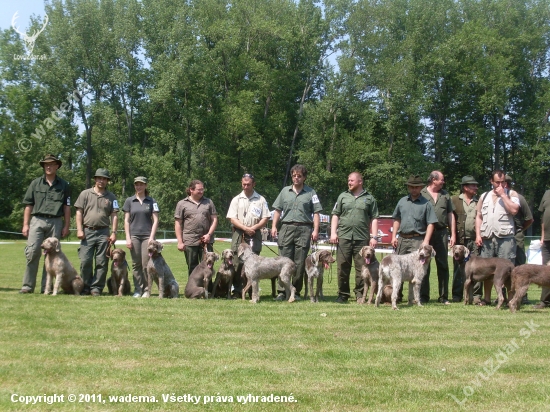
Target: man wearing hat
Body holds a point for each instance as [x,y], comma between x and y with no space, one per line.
[96,216]
[413,220]
[464,211]
[47,213]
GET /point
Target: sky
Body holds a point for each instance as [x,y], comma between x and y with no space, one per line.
[25,9]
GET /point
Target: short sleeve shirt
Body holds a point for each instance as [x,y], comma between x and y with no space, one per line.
[141,214]
[297,208]
[248,211]
[196,219]
[442,207]
[46,199]
[414,216]
[97,209]
[355,215]
[545,209]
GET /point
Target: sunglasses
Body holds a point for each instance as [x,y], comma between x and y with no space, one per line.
[248,175]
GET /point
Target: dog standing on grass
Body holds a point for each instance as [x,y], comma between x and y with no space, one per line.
[316,263]
[158,271]
[118,284]
[200,278]
[477,269]
[224,276]
[58,266]
[369,273]
[396,269]
[522,277]
[259,267]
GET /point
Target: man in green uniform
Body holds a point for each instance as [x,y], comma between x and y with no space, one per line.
[544,208]
[443,207]
[465,206]
[350,229]
[96,213]
[413,221]
[300,208]
[47,213]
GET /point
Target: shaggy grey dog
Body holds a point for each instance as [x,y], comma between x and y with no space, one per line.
[58,267]
[200,278]
[224,276]
[158,270]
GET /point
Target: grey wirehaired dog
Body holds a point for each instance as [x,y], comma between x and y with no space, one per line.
[159,272]
[316,263]
[200,278]
[259,267]
[522,277]
[58,266]
[477,269]
[369,273]
[224,276]
[118,284]
[396,269]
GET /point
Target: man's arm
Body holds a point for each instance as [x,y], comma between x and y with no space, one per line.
[316,221]
[26,219]
[428,235]
[276,217]
[452,220]
[334,229]
[479,221]
[510,206]
[396,225]
[206,238]
[66,220]
[114,223]
[79,224]
[374,239]
[178,228]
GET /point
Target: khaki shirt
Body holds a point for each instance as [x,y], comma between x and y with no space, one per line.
[46,199]
[297,208]
[442,207]
[545,209]
[355,215]
[196,219]
[96,209]
[248,211]
[524,214]
[470,210]
[414,216]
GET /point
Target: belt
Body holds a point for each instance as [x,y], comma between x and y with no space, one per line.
[410,235]
[46,216]
[298,224]
[95,227]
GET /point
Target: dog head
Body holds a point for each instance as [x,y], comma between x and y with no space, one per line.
[210,258]
[460,253]
[425,253]
[227,256]
[119,256]
[325,257]
[242,249]
[368,254]
[51,245]
[154,248]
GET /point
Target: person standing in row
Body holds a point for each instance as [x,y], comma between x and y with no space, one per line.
[248,213]
[196,220]
[443,208]
[544,208]
[141,220]
[352,215]
[47,213]
[96,212]
[300,208]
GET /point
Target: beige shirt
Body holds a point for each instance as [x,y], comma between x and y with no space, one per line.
[248,211]
[96,209]
[495,219]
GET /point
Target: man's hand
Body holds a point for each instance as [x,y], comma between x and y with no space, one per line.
[181,246]
[25,230]
[65,232]
[80,234]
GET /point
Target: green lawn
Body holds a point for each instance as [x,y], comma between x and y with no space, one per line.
[317,357]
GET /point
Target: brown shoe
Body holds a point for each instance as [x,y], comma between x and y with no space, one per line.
[25,291]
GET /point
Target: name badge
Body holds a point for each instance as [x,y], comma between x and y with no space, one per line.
[256,212]
[115,204]
[314,199]
[155,207]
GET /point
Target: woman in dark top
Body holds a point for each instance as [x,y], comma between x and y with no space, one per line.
[141,220]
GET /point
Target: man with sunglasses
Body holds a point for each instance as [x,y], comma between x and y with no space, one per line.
[248,213]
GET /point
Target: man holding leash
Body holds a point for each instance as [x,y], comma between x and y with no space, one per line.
[248,213]
[352,215]
[47,213]
[96,213]
[300,207]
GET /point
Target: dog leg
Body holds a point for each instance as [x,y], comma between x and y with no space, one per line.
[468,294]
[161,286]
[373,287]
[320,287]
[149,284]
[246,288]
[175,290]
[498,289]
[255,292]
[312,294]
[58,277]
[229,286]
[121,287]
[396,284]
[48,287]
[416,291]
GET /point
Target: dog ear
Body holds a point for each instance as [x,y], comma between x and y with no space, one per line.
[160,246]
[216,256]
[315,258]
[57,246]
[466,251]
[433,252]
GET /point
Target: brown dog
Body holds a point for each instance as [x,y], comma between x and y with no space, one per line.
[522,277]
[118,284]
[58,266]
[477,269]
[316,263]
[224,276]
[197,285]
[369,273]
[159,272]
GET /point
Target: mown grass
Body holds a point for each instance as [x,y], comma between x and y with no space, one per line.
[327,356]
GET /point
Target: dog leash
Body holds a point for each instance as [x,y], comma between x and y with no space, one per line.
[108,252]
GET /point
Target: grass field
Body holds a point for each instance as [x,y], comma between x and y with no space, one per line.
[322,357]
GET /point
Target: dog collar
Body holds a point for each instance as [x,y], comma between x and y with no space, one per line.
[466,259]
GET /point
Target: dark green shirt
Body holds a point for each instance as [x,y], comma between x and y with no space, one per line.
[96,209]
[46,199]
[415,216]
[355,215]
[442,207]
[297,208]
[545,209]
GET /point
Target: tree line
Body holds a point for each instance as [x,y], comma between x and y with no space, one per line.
[211,89]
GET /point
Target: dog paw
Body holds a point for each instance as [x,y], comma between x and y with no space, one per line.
[146,295]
